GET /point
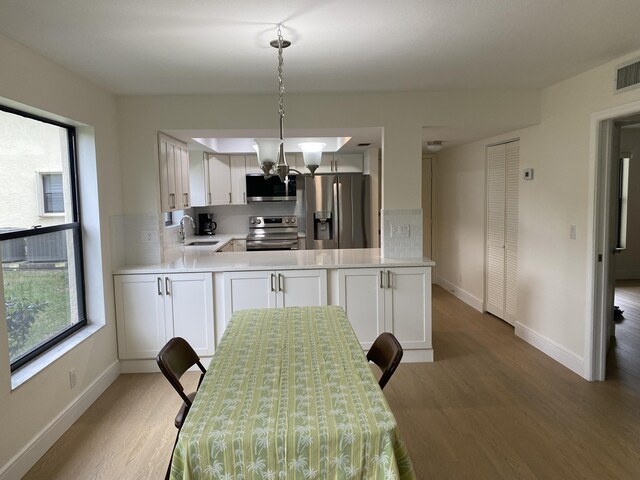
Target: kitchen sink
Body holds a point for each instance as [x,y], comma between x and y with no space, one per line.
[208,242]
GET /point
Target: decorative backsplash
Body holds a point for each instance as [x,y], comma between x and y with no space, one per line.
[401,233]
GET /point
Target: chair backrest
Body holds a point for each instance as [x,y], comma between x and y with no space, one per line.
[175,358]
[386,353]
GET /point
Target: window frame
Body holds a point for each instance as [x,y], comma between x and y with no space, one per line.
[75,226]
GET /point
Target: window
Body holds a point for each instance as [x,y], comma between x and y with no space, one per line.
[40,237]
[623,199]
[50,191]
[168,219]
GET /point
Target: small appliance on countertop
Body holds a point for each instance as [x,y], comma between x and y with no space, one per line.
[206,225]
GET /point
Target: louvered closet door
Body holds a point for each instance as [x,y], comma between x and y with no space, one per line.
[496,156]
[512,151]
[503,164]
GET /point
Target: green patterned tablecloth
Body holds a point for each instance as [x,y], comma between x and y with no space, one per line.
[289,395]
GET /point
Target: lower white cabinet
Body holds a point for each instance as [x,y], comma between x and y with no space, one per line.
[151,309]
[274,288]
[397,300]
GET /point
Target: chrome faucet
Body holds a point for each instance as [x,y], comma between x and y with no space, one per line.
[181,233]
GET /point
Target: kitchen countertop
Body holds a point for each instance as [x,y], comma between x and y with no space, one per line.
[207,259]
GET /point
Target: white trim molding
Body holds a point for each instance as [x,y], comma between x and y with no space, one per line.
[26,458]
[461,294]
[551,348]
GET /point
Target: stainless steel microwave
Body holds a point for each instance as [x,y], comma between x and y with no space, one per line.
[272,189]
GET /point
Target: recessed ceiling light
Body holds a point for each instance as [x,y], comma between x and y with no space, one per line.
[434,146]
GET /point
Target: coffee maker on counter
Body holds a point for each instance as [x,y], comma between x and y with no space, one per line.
[206,225]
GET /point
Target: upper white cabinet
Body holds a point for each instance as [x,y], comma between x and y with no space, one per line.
[341,163]
[238,180]
[267,289]
[218,179]
[251,165]
[397,300]
[151,309]
[174,173]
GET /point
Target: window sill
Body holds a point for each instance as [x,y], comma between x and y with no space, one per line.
[31,369]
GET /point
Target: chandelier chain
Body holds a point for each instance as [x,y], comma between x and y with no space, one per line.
[280,76]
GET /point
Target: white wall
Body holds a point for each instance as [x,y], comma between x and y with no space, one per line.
[554,289]
[628,261]
[41,405]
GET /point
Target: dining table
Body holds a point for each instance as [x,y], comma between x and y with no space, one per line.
[289,394]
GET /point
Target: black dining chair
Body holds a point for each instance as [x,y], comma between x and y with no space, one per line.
[386,352]
[175,358]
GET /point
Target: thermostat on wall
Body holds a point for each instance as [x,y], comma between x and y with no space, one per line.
[527,174]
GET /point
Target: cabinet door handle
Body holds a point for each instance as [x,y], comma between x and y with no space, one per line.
[167,283]
[229,197]
[209,198]
[244,197]
[381,279]
[186,199]
[159,286]
[388,278]
[273,277]
[280,283]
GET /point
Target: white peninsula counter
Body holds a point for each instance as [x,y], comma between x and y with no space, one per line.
[194,293]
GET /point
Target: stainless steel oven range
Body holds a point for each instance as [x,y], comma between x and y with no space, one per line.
[272,233]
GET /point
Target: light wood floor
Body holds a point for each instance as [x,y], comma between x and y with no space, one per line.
[489,407]
[624,354]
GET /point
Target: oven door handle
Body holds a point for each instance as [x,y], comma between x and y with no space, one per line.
[272,244]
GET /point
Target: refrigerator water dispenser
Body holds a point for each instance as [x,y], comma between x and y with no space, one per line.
[322,225]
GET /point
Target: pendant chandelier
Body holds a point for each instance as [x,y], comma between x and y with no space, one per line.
[271,156]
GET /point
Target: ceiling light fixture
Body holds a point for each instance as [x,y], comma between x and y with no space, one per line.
[271,157]
[434,146]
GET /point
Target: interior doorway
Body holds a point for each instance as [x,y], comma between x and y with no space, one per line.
[616,243]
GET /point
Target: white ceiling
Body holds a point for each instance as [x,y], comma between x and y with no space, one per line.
[138,47]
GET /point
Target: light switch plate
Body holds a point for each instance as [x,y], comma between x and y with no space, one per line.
[527,174]
[400,231]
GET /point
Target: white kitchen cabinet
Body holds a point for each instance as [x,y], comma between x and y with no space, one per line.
[238,180]
[397,300]
[199,179]
[174,173]
[226,183]
[219,178]
[251,165]
[341,163]
[152,308]
[326,164]
[293,159]
[274,288]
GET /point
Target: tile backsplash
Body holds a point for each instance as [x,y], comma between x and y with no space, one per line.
[401,233]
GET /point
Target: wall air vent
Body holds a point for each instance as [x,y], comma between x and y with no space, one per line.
[628,76]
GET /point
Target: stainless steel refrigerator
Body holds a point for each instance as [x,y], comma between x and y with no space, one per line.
[337,211]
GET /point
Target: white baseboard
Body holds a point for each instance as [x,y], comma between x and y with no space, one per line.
[628,275]
[418,356]
[26,458]
[551,348]
[461,294]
